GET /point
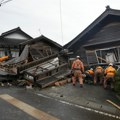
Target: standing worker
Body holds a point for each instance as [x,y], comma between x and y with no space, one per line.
[98,75]
[109,75]
[78,69]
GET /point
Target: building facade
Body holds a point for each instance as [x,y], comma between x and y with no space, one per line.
[99,43]
[10,40]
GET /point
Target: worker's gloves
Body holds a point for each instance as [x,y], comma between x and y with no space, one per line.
[83,75]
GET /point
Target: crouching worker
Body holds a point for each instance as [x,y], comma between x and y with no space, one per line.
[78,69]
[99,75]
[109,75]
[89,75]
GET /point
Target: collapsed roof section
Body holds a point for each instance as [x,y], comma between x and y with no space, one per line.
[41,47]
[46,64]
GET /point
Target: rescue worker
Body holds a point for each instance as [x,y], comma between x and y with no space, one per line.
[89,75]
[98,75]
[4,58]
[109,74]
[78,69]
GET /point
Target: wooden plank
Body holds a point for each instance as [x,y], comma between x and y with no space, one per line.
[115,105]
[52,79]
[35,63]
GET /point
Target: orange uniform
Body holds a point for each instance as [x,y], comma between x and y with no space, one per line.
[78,68]
[4,58]
[91,72]
[109,73]
[89,75]
[99,74]
[77,64]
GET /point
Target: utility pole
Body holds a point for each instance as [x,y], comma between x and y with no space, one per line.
[2,2]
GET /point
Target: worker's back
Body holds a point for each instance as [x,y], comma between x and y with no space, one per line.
[77,64]
[110,70]
[99,69]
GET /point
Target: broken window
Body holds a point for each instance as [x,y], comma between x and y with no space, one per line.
[91,57]
[108,55]
[14,53]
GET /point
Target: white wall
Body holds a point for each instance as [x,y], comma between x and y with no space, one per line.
[16,36]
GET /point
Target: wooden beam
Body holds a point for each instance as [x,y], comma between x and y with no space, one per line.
[115,105]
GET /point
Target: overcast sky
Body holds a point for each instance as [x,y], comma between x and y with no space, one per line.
[36,17]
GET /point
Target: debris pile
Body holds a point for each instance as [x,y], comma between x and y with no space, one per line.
[42,72]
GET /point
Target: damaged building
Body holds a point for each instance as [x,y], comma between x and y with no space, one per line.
[99,43]
[45,65]
[9,46]
[10,40]
[40,63]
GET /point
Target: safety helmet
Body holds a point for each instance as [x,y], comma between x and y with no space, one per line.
[91,68]
[77,56]
[110,64]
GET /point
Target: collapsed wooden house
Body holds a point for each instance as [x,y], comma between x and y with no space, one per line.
[40,62]
[99,43]
[45,63]
[8,69]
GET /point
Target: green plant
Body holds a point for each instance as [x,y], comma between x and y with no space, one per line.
[117,82]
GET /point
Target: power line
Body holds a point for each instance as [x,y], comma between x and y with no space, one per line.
[40,31]
[61,22]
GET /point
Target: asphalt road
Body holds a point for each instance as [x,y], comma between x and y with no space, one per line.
[57,108]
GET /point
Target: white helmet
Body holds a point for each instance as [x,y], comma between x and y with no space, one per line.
[110,64]
[91,68]
[77,56]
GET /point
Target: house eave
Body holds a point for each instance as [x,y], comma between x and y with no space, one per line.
[103,43]
[80,37]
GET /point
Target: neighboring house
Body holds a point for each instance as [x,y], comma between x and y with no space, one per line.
[99,43]
[10,40]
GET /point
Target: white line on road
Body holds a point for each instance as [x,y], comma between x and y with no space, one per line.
[82,107]
[34,112]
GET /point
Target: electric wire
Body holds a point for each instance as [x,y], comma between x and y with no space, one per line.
[61,22]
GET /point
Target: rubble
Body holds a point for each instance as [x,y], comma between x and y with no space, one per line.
[42,68]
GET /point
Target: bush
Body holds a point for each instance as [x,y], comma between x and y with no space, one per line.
[117,82]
